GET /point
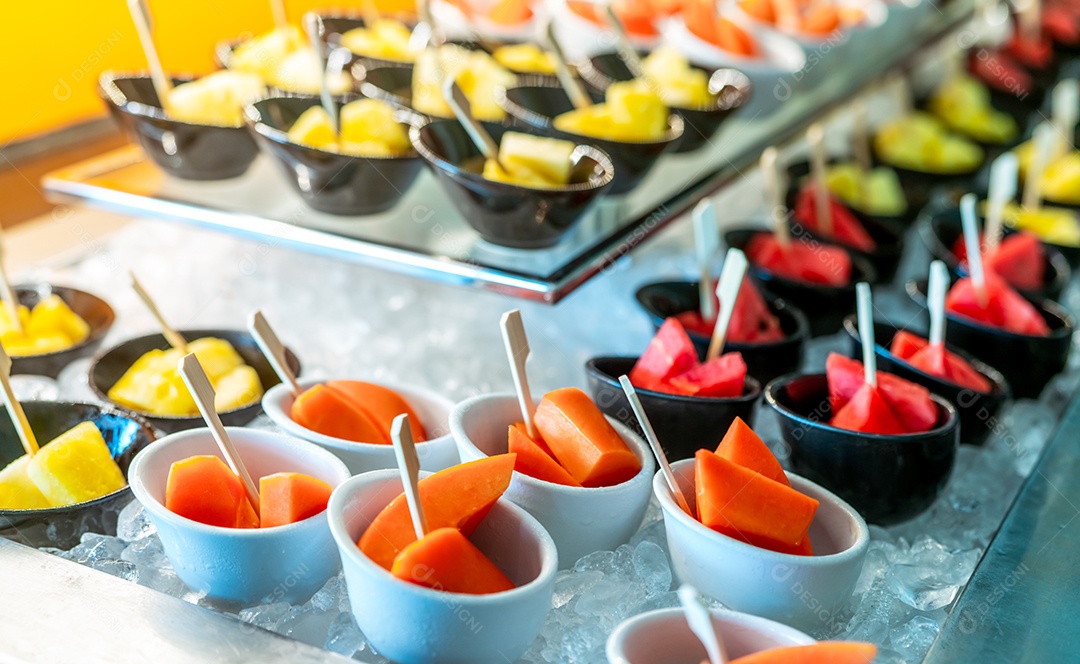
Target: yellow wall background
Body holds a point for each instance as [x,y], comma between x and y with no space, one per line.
[53,50]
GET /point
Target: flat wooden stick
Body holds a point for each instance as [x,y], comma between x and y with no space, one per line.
[14,408]
[625,49]
[569,82]
[727,290]
[935,301]
[654,443]
[175,339]
[865,313]
[701,624]
[370,12]
[203,394]
[860,147]
[774,196]
[815,136]
[1003,182]
[11,301]
[706,242]
[273,349]
[277,9]
[409,466]
[1065,113]
[517,352]
[313,26]
[140,14]
[971,243]
[1043,142]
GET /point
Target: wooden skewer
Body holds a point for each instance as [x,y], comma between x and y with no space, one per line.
[626,50]
[654,443]
[860,147]
[14,408]
[274,350]
[815,135]
[569,82]
[203,393]
[1043,141]
[865,313]
[370,13]
[11,301]
[1003,175]
[462,109]
[1030,15]
[409,466]
[175,339]
[1065,113]
[935,301]
[706,242]
[313,25]
[774,196]
[140,14]
[517,351]
[277,9]
[971,243]
[727,290]
[701,624]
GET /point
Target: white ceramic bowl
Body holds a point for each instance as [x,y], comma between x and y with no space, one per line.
[807,592]
[411,624]
[436,453]
[286,563]
[580,520]
[664,637]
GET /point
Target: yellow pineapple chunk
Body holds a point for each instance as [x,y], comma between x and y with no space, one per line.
[217,99]
[677,83]
[638,112]
[386,39]
[301,71]
[75,467]
[53,316]
[476,72]
[216,356]
[262,55]
[314,130]
[593,121]
[525,59]
[532,161]
[237,388]
[369,121]
[17,491]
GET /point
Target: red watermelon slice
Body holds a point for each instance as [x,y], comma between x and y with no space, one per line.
[910,403]
[1062,22]
[722,377]
[751,322]
[868,412]
[801,261]
[1005,308]
[669,354]
[1000,71]
[1019,259]
[937,361]
[846,229]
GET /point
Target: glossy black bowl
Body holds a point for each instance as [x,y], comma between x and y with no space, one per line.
[920,185]
[62,527]
[941,229]
[113,363]
[506,214]
[800,170]
[887,478]
[977,410]
[1027,362]
[764,361]
[329,181]
[683,424]
[828,305]
[96,312]
[390,84]
[732,87]
[184,150]
[537,105]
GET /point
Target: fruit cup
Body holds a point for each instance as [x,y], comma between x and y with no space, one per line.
[888,478]
[108,368]
[96,312]
[182,149]
[331,182]
[62,527]
[805,592]
[664,637]
[580,520]
[436,453]
[246,565]
[413,624]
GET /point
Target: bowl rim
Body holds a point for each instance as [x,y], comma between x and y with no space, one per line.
[108,409]
[95,334]
[952,417]
[636,444]
[258,436]
[254,120]
[196,333]
[745,86]
[348,547]
[859,263]
[862,531]
[1000,386]
[752,387]
[581,150]
[275,396]
[112,95]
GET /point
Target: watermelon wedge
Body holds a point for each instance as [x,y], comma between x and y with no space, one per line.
[1001,71]
[846,229]
[868,412]
[669,354]
[751,322]
[722,377]
[1019,259]
[801,261]
[909,403]
[1005,308]
[937,361]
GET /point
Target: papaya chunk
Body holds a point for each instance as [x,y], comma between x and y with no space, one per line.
[745,448]
[290,497]
[534,461]
[202,488]
[329,412]
[446,560]
[381,404]
[825,652]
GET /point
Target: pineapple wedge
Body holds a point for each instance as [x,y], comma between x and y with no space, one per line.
[386,39]
[52,326]
[216,99]
[677,83]
[263,55]
[369,121]
[75,467]
[314,130]
[17,491]
[238,387]
[532,161]
[525,59]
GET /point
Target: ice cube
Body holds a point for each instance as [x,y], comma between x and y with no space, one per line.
[919,587]
[651,565]
[134,523]
[912,639]
[266,616]
[343,636]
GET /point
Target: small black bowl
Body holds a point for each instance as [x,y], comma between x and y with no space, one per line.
[329,181]
[829,304]
[1027,362]
[62,527]
[506,214]
[184,150]
[683,424]
[920,185]
[537,105]
[887,478]
[800,170]
[390,84]
[96,312]
[114,363]
[940,229]
[732,87]
[764,361]
[977,410]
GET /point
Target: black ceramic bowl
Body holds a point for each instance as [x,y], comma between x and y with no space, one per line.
[920,185]
[941,229]
[113,363]
[887,478]
[683,424]
[506,214]
[732,87]
[916,200]
[977,410]
[889,240]
[62,527]
[390,84]
[764,361]
[1026,361]
[328,181]
[828,304]
[537,105]
[185,150]
[96,312]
